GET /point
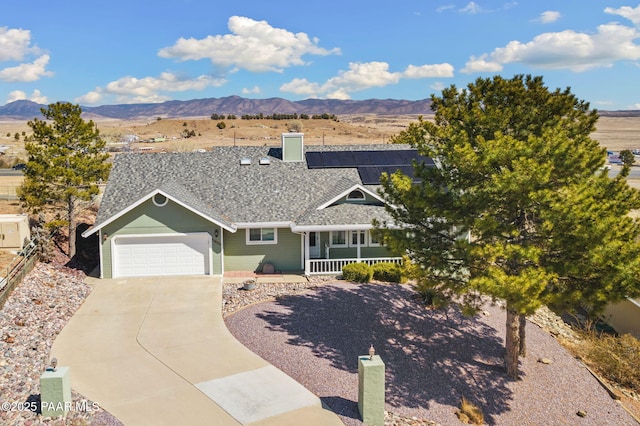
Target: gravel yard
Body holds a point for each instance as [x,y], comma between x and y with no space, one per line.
[432,359]
[32,317]
[315,331]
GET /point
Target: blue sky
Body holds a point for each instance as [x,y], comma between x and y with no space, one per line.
[111,52]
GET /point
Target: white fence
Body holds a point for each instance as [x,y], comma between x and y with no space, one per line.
[8,192]
[334,266]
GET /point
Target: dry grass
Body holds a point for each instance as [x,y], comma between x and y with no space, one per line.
[6,257]
[615,358]
[470,413]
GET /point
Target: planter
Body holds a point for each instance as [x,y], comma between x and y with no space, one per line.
[249,284]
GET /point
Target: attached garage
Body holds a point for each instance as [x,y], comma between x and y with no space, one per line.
[161,254]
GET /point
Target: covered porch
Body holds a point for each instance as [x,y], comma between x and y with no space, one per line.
[327,251]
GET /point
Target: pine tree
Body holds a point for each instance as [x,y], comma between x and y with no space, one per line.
[518,207]
[66,162]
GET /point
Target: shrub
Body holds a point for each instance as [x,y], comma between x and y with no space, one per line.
[387,271]
[357,272]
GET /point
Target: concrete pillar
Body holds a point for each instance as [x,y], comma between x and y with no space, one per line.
[371,390]
[55,392]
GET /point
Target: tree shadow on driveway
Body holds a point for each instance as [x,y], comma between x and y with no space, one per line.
[432,359]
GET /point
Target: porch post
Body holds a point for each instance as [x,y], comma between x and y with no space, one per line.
[307,263]
[358,245]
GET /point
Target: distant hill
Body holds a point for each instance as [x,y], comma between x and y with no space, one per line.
[27,110]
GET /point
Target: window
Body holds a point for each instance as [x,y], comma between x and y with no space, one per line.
[355,235]
[262,236]
[356,194]
[373,240]
[160,200]
[338,238]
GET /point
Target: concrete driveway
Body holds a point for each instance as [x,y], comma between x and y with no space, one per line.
[156,351]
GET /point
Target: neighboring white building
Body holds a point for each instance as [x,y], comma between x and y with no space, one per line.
[624,317]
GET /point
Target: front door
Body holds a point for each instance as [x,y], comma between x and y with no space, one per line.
[314,245]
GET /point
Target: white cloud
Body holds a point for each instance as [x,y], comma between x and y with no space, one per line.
[18,95]
[438,86]
[471,8]
[27,71]
[15,44]
[445,7]
[632,14]
[362,76]
[564,50]
[426,71]
[301,86]
[252,45]
[254,90]
[340,94]
[549,16]
[147,90]
[90,98]
[38,97]
[481,64]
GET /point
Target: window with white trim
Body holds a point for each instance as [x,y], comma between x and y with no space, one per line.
[354,236]
[160,200]
[262,236]
[373,240]
[356,194]
[338,238]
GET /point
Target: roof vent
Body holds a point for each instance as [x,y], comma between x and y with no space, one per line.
[265,160]
[245,161]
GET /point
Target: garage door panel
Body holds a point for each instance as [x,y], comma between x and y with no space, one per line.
[185,254]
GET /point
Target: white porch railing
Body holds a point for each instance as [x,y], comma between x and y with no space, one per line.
[334,266]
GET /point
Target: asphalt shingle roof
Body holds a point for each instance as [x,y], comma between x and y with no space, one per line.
[217,185]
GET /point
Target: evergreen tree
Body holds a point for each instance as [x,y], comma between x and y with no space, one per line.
[627,157]
[66,161]
[517,207]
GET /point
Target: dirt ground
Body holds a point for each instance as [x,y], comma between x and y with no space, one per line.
[615,133]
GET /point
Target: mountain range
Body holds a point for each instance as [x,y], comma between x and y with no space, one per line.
[27,110]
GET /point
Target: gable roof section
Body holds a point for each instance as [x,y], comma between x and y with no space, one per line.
[216,186]
[346,192]
[183,201]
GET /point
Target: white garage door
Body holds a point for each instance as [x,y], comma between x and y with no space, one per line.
[174,254]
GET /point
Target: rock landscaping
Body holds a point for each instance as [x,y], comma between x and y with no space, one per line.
[39,308]
[32,317]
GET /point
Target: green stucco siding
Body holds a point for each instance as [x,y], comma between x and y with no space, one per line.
[285,256]
[151,219]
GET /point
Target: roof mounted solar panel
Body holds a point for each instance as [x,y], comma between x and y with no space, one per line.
[331,160]
[350,159]
[370,175]
[315,160]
